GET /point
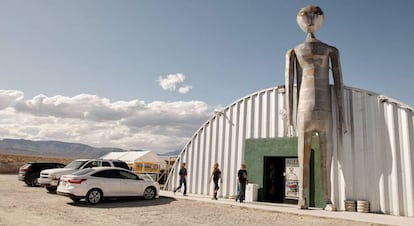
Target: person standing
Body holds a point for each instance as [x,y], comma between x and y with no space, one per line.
[242,182]
[183,179]
[216,176]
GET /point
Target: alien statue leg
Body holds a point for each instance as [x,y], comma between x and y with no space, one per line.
[304,152]
[326,149]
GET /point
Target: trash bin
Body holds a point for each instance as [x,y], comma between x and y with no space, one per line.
[251,192]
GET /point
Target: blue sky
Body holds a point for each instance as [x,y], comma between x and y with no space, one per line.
[146,74]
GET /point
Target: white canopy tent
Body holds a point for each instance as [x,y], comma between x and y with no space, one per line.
[130,157]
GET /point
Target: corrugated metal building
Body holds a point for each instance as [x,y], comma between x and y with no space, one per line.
[375,161]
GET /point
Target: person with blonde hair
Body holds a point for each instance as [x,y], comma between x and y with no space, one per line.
[216,176]
[242,182]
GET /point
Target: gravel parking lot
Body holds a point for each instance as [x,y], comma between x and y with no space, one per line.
[22,205]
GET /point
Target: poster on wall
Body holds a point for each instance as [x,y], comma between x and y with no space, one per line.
[292,178]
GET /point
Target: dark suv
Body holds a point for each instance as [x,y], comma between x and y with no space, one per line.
[30,172]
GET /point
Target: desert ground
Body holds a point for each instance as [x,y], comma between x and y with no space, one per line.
[23,205]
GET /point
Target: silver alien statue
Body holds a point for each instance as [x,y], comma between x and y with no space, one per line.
[311,61]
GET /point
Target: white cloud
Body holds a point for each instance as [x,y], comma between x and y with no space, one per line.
[184,89]
[89,119]
[171,81]
[9,98]
[83,106]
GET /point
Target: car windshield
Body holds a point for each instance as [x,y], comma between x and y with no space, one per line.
[76,164]
[83,172]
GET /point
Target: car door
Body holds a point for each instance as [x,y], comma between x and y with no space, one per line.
[131,184]
[109,182]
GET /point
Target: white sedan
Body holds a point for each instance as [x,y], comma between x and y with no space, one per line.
[93,184]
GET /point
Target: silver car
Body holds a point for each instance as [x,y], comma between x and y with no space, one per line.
[94,184]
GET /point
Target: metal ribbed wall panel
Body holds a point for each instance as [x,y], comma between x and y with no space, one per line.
[373,161]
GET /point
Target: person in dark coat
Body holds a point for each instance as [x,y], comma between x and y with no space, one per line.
[183,179]
[216,176]
[242,182]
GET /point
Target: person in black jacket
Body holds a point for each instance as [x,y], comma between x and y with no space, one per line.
[216,176]
[183,179]
[242,182]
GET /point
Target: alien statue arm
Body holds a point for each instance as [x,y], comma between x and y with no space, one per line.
[338,86]
[292,67]
[289,77]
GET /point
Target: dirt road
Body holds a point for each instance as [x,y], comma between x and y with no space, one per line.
[22,205]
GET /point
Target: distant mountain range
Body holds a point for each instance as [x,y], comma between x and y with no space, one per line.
[57,148]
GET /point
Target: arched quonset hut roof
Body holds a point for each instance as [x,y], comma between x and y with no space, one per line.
[374,162]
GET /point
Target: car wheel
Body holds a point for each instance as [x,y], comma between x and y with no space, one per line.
[75,199]
[51,189]
[94,196]
[149,193]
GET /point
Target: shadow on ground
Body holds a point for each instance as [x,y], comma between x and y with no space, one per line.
[125,202]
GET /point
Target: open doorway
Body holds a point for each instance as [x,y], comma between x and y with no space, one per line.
[274,180]
[275,187]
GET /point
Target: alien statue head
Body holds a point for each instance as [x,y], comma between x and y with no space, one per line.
[310,18]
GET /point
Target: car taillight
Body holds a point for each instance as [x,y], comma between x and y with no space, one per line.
[76,181]
[27,168]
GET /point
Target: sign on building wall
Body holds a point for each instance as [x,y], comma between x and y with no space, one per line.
[292,178]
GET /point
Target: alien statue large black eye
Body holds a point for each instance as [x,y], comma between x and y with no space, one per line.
[318,11]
